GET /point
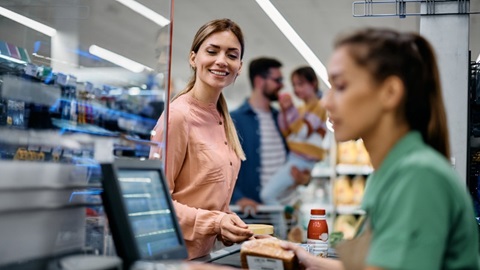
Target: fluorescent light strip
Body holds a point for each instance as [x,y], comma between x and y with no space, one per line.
[295,39]
[117,59]
[478,58]
[40,27]
[18,61]
[54,60]
[146,12]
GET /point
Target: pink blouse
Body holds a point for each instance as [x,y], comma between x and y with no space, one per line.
[201,170]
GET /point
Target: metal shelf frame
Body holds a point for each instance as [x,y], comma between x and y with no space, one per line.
[401,8]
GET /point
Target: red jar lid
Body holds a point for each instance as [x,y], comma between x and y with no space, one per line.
[320,212]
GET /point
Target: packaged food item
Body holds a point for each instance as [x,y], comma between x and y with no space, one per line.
[261,229]
[317,232]
[363,158]
[358,188]
[347,152]
[342,191]
[266,253]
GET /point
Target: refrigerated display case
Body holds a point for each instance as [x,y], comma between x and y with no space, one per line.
[81,82]
[97,67]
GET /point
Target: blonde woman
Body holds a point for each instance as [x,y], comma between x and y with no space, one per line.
[203,152]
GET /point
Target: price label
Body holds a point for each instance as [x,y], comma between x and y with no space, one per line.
[255,262]
[61,79]
[31,70]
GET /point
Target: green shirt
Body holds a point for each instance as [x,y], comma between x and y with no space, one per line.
[420,215]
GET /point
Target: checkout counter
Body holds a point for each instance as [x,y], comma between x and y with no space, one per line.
[73,214]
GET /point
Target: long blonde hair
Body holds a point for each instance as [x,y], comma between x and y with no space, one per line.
[202,34]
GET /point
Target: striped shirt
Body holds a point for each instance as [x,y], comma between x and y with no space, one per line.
[272,152]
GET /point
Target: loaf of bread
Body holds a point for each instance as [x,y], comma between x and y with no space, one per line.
[266,253]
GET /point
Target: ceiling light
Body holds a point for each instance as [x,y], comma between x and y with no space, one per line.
[40,27]
[478,58]
[295,39]
[146,12]
[117,59]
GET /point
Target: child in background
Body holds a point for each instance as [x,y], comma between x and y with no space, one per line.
[304,129]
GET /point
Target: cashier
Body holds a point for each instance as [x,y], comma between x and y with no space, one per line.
[386,90]
[203,151]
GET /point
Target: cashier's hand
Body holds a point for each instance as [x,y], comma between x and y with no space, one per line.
[309,261]
[233,230]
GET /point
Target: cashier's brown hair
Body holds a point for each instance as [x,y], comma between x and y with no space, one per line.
[385,53]
[205,31]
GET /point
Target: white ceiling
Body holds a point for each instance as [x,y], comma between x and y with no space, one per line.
[318,22]
[111,25]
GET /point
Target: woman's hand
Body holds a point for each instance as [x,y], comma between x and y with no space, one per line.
[233,230]
[309,261]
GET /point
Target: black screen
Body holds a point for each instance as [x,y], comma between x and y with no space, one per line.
[140,212]
[148,211]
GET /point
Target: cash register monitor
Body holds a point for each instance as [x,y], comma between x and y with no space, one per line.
[140,212]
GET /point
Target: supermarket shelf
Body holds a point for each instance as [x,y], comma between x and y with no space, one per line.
[20,89]
[349,210]
[321,172]
[66,125]
[307,206]
[353,169]
[261,208]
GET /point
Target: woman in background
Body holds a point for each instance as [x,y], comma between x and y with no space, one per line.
[203,152]
[386,90]
[304,130]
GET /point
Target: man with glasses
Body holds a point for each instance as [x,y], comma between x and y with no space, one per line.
[259,134]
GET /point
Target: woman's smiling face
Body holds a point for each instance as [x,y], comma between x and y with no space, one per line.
[217,62]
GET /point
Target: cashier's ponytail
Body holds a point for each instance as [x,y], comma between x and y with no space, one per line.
[436,133]
[410,57]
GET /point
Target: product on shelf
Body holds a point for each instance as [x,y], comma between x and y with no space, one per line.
[347,152]
[80,107]
[342,191]
[358,188]
[353,152]
[363,158]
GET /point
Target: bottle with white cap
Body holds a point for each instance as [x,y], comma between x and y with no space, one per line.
[317,233]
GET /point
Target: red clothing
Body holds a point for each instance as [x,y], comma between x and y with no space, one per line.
[201,170]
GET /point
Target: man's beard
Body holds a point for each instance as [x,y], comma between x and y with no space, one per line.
[272,96]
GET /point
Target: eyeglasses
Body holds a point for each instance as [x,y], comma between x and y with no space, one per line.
[278,80]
